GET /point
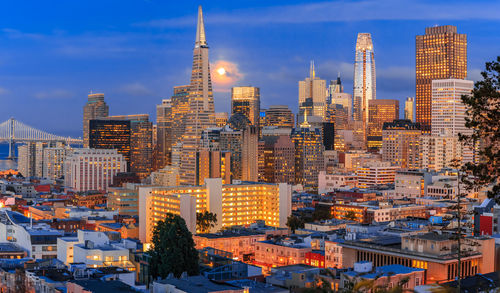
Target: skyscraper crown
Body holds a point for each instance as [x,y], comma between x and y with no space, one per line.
[201,40]
[364,42]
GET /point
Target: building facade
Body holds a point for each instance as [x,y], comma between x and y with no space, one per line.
[440,53]
[95,107]
[379,112]
[364,79]
[246,100]
[401,144]
[201,114]
[241,203]
[92,169]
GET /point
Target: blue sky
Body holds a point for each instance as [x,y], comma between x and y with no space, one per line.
[53,53]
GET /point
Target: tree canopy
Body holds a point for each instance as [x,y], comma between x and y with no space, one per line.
[173,249]
[483,117]
[205,221]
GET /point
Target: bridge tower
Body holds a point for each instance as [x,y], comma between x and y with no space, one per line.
[12,143]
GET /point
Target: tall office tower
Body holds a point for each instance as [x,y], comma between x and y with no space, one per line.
[410,109]
[201,105]
[277,159]
[240,138]
[92,169]
[221,119]
[180,112]
[312,91]
[440,53]
[246,100]
[309,159]
[336,96]
[213,164]
[364,79]
[401,143]
[30,159]
[95,107]
[280,116]
[328,133]
[130,135]
[53,161]
[379,112]
[448,110]
[163,146]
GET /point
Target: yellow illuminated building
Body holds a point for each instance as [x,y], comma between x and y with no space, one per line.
[240,203]
[441,53]
[380,111]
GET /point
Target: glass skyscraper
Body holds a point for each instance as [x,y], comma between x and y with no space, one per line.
[364,79]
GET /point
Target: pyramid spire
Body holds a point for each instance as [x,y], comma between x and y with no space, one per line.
[201,40]
[312,73]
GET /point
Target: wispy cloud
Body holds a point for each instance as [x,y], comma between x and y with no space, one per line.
[54,94]
[3,91]
[17,34]
[135,89]
[340,11]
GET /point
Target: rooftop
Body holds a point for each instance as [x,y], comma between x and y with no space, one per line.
[198,284]
[99,286]
[385,271]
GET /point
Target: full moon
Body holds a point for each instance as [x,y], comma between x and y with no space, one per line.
[221,71]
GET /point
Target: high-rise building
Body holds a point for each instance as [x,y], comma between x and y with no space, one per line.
[364,79]
[439,151]
[180,112]
[441,53]
[448,110]
[164,135]
[30,159]
[336,96]
[312,96]
[201,113]
[410,109]
[401,143]
[379,112]
[53,161]
[213,164]
[246,100]
[95,107]
[221,119]
[92,169]
[277,159]
[280,116]
[130,135]
[309,159]
[241,203]
[241,139]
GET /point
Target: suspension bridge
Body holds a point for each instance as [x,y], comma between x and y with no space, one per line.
[14,131]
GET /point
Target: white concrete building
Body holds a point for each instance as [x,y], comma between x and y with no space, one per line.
[376,173]
[411,184]
[331,182]
[95,250]
[40,241]
[93,169]
[438,151]
[448,110]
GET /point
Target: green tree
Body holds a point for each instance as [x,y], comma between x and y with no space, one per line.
[321,213]
[293,223]
[350,215]
[173,249]
[205,221]
[483,117]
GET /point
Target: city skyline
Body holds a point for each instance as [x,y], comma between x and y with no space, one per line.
[126,72]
